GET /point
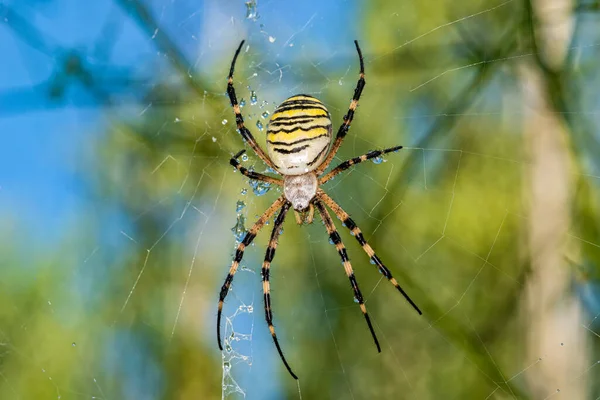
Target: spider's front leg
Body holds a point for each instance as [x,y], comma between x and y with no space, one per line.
[251,174]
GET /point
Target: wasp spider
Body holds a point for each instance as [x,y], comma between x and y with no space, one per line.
[298,139]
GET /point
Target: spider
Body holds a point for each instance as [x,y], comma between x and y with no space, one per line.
[298,139]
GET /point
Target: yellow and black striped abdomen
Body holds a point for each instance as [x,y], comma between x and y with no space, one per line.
[299,135]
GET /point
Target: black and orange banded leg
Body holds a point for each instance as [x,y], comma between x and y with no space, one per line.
[251,174]
[345,126]
[356,160]
[349,223]
[339,245]
[239,120]
[239,254]
[269,255]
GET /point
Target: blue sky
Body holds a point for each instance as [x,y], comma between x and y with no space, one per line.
[40,157]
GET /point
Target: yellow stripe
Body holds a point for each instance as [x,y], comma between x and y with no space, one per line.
[309,112]
[295,135]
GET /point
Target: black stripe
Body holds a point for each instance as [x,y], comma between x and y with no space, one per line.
[357,292]
[361,239]
[304,95]
[265,274]
[299,102]
[297,141]
[225,287]
[231,94]
[386,272]
[239,254]
[291,120]
[299,128]
[268,313]
[343,254]
[270,254]
[373,154]
[301,119]
[359,88]
[349,116]
[294,150]
[376,260]
[248,238]
[318,156]
[335,237]
[349,223]
[282,109]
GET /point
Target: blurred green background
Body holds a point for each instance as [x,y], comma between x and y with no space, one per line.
[117,200]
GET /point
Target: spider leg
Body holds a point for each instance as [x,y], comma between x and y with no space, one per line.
[238,114]
[356,160]
[343,130]
[339,245]
[269,255]
[251,174]
[239,254]
[349,223]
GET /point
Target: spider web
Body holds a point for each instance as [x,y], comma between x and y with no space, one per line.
[123,305]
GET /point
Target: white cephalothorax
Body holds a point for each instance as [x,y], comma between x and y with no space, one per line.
[300,189]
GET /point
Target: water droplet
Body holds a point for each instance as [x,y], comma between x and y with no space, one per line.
[245,157]
[251,10]
[259,187]
[242,103]
[49,303]
[214,139]
[281,231]
[177,120]
[73,344]
[265,114]
[259,125]
[340,82]
[371,261]
[239,206]
[239,230]
[331,241]
[356,300]
[291,44]
[272,39]
[377,160]
[562,344]
[224,121]
[253,98]
[244,191]
[557,390]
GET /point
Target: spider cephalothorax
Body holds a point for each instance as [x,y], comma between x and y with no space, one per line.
[298,143]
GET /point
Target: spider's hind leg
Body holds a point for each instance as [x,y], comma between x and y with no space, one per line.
[355,230]
[339,245]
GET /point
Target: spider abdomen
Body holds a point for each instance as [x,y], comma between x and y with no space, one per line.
[299,135]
